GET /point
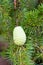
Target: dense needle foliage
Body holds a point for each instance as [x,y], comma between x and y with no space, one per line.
[29,15]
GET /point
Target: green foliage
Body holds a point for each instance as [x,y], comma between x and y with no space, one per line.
[28,4]
[33,18]
[6,24]
[6,4]
[31,21]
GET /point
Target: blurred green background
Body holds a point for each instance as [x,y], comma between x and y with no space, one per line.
[29,15]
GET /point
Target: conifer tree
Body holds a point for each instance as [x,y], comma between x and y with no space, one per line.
[29,15]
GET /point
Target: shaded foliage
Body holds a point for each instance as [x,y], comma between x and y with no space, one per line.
[31,19]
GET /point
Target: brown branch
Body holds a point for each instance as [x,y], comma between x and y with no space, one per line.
[15,4]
